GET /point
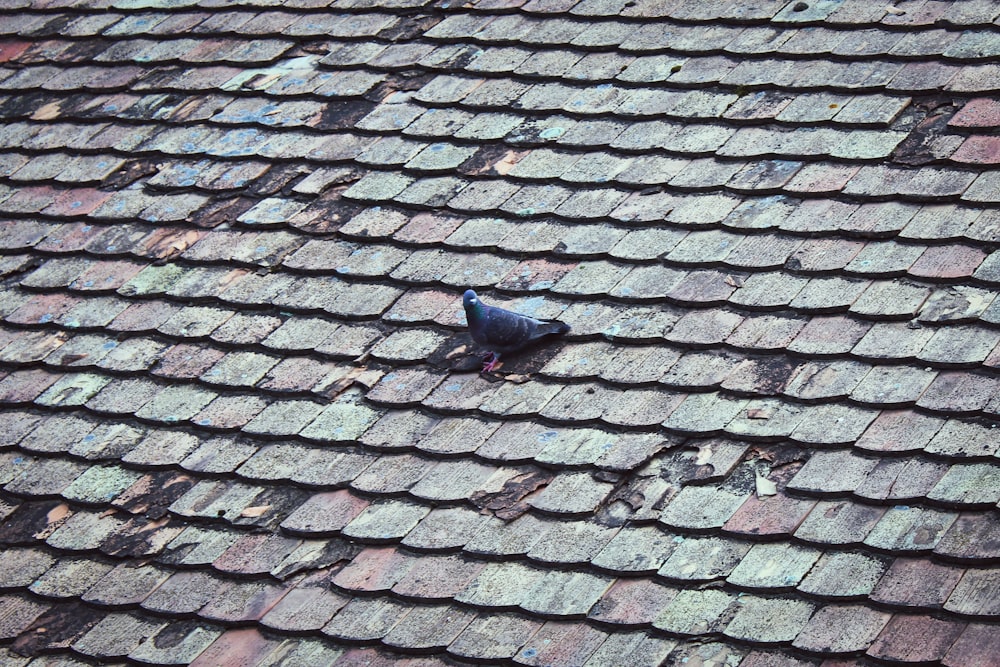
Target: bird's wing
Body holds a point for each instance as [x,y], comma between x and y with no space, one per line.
[507,331]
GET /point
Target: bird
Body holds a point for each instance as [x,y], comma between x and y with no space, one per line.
[501,331]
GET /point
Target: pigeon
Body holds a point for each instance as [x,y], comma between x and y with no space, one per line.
[501,331]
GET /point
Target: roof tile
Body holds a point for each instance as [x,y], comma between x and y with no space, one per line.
[494,636]
[769,620]
[974,646]
[903,479]
[178,642]
[429,627]
[838,522]
[702,559]
[844,575]
[557,642]
[974,526]
[366,619]
[938,636]
[841,629]
[572,493]
[973,594]
[692,611]
[383,521]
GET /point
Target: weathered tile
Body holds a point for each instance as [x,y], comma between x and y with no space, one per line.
[844,575]
[975,645]
[557,642]
[769,620]
[837,522]
[841,629]
[692,612]
[494,636]
[910,529]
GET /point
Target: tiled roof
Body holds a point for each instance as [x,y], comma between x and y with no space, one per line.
[243,420]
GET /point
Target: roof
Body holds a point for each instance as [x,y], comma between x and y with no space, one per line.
[244,420]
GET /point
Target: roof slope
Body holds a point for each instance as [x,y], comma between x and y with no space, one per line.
[243,419]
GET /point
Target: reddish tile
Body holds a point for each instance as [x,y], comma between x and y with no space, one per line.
[633,602]
[11,50]
[779,514]
[25,386]
[187,361]
[836,629]
[978,150]
[78,202]
[829,335]
[237,646]
[255,554]
[43,308]
[325,513]
[977,646]
[948,262]
[560,643]
[978,112]
[374,569]
[896,643]
[916,583]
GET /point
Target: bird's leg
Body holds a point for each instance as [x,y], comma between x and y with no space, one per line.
[490,361]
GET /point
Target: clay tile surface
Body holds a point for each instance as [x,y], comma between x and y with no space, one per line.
[245,422]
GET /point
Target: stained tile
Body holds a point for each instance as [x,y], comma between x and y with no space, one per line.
[494,636]
[975,645]
[938,636]
[844,575]
[692,612]
[561,642]
[841,629]
[769,620]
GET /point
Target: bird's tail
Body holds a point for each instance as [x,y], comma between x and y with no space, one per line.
[552,328]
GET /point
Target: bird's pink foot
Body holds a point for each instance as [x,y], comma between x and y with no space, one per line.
[490,361]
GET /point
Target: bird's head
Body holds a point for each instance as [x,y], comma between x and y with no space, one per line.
[473,306]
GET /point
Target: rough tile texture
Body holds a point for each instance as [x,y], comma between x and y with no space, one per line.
[243,419]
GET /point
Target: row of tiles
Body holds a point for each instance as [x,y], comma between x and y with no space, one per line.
[688,533]
[415,249]
[497,24]
[849,13]
[390,237]
[941,327]
[307,604]
[754,160]
[756,234]
[455,634]
[440,459]
[752,402]
[561,42]
[432,109]
[602,379]
[654,297]
[813,566]
[396,245]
